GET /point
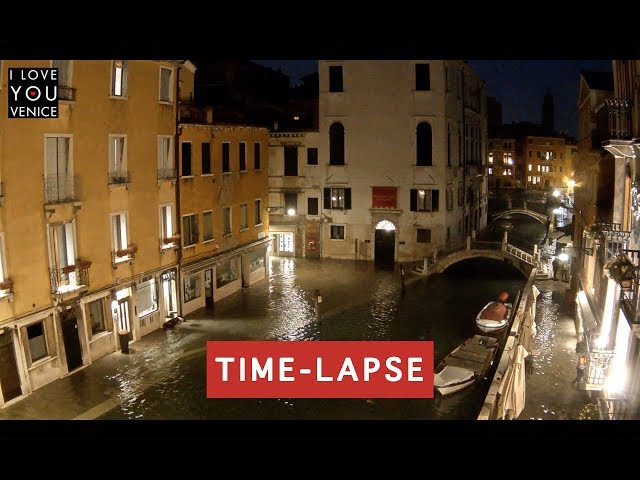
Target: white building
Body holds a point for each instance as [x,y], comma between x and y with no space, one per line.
[396,169]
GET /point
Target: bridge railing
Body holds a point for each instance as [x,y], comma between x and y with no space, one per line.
[520,254]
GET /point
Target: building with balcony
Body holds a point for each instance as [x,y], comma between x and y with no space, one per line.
[84,219]
[502,163]
[543,159]
[607,294]
[396,168]
[222,217]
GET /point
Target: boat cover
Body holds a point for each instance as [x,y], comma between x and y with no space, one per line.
[494,311]
[451,375]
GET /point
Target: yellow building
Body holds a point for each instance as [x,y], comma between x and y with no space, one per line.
[502,163]
[545,163]
[223,198]
[87,218]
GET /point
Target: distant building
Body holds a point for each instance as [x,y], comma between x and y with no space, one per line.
[544,161]
[392,172]
[502,163]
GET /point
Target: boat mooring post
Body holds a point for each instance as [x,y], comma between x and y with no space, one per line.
[317,302]
[402,277]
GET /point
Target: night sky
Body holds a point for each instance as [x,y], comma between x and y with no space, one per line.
[519,85]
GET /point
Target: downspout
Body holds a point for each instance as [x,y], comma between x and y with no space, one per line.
[464,162]
[176,155]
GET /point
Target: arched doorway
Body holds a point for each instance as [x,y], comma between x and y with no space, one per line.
[385,248]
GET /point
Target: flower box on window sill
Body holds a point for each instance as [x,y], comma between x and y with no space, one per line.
[6,285]
[83,264]
[130,250]
[170,240]
[68,269]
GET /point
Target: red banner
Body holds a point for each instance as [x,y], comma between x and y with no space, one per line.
[320,369]
[384,197]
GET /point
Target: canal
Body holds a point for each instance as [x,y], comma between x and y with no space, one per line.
[362,303]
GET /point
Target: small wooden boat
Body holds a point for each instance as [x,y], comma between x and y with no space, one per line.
[469,362]
[495,314]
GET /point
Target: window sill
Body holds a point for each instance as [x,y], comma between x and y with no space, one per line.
[211,240]
[187,176]
[415,90]
[227,173]
[257,169]
[118,97]
[312,164]
[99,335]
[258,224]
[119,260]
[244,229]
[244,171]
[337,239]
[337,164]
[207,175]
[148,313]
[227,234]
[42,361]
[168,246]
[165,102]
[185,247]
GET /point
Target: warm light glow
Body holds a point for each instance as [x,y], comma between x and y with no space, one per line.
[385,225]
[556,193]
[603,339]
[563,257]
[557,211]
[296,117]
[571,183]
[615,382]
[291,211]
[333,198]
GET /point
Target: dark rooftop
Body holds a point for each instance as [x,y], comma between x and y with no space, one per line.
[599,80]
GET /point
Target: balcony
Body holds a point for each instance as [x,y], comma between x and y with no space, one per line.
[70,278]
[613,119]
[167,174]
[66,93]
[119,177]
[62,188]
[629,295]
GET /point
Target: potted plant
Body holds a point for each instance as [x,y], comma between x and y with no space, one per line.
[622,270]
[83,264]
[6,285]
[68,269]
[171,239]
[594,232]
[130,250]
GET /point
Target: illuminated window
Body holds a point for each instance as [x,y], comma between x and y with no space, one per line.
[529,178]
[490,171]
[424,200]
[504,172]
[166,84]
[530,167]
[509,172]
[504,158]
[337,198]
[538,167]
[119,78]
[491,157]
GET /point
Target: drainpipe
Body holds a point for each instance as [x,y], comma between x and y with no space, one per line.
[176,162]
[464,161]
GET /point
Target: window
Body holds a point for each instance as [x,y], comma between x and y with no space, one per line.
[244,222]
[509,159]
[165,158]
[207,226]
[460,195]
[120,236]
[424,200]
[504,158]
[258,211]
[335,79]
[58,169]
[423,235]
[291,161]
[491,157]
[291,203]
[242,155]
[166,225]
[423,145]
[192,287]
[226,161]
[226,219]
[530,167]
[190,232]
[538,167]
[336,144]
[166,84]
[337,232]
[147,296]
[529,178]
[226,273]
[186,159]
[62,244]
[337,198]
[256,155]
[423,80]
[312,206]
[312,156]
[96,317]
[490,169]
[37,341]
[118,159]
[119,78]
[449,199]
[206,158]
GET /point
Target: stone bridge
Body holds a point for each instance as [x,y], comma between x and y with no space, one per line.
[520,259]
[541,217]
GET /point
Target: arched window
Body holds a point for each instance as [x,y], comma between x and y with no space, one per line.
[336,144]
[424,154]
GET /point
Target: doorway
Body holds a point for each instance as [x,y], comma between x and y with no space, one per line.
[285,244]
[170,293]
[208,288]
[385,246]
[123,315]
[9,376]
[71,339]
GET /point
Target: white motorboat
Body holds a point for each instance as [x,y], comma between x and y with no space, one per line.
[495,315]
[452,379]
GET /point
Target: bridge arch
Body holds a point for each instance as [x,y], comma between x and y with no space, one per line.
[445,262]
[535,215]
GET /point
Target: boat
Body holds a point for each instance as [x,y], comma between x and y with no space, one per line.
[468,363]
[495,314]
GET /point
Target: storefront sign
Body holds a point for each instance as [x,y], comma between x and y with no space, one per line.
[384,197]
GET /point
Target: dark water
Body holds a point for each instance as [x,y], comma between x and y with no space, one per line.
[440,308]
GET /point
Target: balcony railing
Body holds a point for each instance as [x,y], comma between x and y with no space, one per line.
[613,117]
[61,188]
[66,93]
[629,296]
[119,177]
[167,174]
[70,278]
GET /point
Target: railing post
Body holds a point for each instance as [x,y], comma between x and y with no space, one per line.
[505,237]
[425,264]
[468,242]
[535,250]
[435,254]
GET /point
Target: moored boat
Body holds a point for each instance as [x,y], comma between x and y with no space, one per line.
[495,314]
[466,364]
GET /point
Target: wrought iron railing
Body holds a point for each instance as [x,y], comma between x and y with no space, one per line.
[61,188]
[614,115]
[66,93]
[612,408]
[69,278]
[597,368]
[119,177]
[167,174]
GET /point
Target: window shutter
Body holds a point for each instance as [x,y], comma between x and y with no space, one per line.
[347,199]
[413,200]
[435,200]
[327,199]
[124,78]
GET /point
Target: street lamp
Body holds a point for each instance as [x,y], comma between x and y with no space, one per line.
[563,257]
[556,193]
[291,211]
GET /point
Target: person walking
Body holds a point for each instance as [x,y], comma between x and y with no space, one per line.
[556,267]
[581,367]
